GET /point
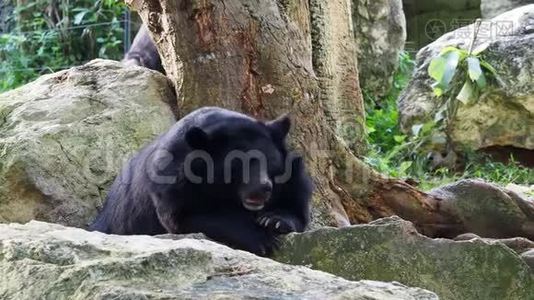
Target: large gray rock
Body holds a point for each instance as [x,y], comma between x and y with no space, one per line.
[380,29]
[64,136]
[45,261]
[486,209]
[391,250]
[493,8]
[504,116]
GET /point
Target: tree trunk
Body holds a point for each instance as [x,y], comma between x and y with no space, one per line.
[270,57]
[267,58]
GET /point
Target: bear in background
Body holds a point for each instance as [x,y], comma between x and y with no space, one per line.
[217,172]
[143,52]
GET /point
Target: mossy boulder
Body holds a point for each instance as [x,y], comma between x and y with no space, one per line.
[391,250]
[487,209]
[64,137]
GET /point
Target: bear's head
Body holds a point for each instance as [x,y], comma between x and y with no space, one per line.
[239,159]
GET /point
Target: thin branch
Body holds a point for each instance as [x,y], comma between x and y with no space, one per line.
[476,29]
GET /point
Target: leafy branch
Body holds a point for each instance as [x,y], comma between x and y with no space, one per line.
[460,76]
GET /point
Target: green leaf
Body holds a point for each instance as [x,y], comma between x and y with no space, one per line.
[436,69]
[467,93]
[482,82]
[428,127]
[473,68]
[438,91]
[399,138]
[461,52]
[443,68]
[405,165]
[447,50]
[78,18]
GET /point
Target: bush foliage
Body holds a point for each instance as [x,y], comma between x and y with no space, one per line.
[46,36]
[399,155]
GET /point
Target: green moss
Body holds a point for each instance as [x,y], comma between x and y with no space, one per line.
[392,252]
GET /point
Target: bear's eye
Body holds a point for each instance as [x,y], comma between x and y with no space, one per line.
[275,165]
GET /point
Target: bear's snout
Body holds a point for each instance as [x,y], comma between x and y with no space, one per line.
[254,197]
[265,187]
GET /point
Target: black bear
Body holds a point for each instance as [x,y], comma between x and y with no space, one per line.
[217,172]
[143,52]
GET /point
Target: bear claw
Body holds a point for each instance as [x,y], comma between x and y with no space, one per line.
[276,223]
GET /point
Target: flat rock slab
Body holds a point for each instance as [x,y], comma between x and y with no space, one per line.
[487,209]
[391,250]
[45,261]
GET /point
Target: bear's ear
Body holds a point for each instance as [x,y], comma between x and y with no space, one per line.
[197,138]
[280,127]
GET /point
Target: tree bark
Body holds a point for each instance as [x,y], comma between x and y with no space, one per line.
[271,57]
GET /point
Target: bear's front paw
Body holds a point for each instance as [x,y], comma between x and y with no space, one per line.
[276,223]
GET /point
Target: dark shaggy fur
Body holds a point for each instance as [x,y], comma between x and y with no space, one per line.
[154,193]
[143,52]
